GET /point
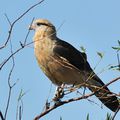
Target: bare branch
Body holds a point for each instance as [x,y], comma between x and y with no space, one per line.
[14,22]
[6,60]
[1,115]
[9,78]
[20,113]
[23,45]
[25,41]
[118,60]
[60,103]
[113,118]
[112,81]
[8,19]
[8,39]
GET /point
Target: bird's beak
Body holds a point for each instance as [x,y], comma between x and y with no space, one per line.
[31,27]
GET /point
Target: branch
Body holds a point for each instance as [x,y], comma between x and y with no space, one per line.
[10,73]
[112,81]
[118,60]
[9,78]
[1,115]
[25,41]
[22,46]
[19,111]
[60,103]
[6,60]
[113,118]
[15,21]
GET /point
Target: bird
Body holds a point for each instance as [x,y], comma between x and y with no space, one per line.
[62,63]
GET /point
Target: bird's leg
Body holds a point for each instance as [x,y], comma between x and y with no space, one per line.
[70,89]
[59,93]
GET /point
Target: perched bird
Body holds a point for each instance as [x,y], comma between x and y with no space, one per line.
[64,64]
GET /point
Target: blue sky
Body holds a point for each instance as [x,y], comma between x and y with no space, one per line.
[89,23]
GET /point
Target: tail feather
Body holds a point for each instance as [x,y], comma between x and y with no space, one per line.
[104,94]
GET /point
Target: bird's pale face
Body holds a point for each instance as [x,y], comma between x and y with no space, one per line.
[43,28]
[39,24]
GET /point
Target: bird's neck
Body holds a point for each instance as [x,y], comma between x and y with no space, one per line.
[44,40]
[45,32]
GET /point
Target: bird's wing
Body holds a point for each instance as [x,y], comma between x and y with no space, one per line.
[66,51]
[72,55]
[76,59]
[79,60]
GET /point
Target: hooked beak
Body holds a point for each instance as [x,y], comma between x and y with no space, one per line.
[31,27]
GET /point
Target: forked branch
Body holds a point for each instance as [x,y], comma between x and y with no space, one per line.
[15,21]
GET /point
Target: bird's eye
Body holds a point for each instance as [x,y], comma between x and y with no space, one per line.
[38,24]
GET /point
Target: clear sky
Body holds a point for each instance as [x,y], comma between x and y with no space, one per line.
[94,24]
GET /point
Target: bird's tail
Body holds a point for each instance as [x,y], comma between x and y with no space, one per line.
[103,93]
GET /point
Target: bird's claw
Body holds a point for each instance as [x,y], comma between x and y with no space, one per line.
[59,93]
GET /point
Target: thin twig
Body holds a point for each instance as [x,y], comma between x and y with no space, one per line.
[1,116]
[113,118]
[8,102]
[9,78]
[23,45]
[6,60]
[18,50]
[20,113]
[112,81]
[25,41]
[118,60]
[7,19]
[15,21]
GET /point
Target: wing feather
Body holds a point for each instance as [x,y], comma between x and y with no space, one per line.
[72,55]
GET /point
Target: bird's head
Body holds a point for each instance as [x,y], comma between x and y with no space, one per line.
[43,26]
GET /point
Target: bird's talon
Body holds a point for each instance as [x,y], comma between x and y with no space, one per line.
[59,93]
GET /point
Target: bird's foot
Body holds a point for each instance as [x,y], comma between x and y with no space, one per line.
[59,94]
